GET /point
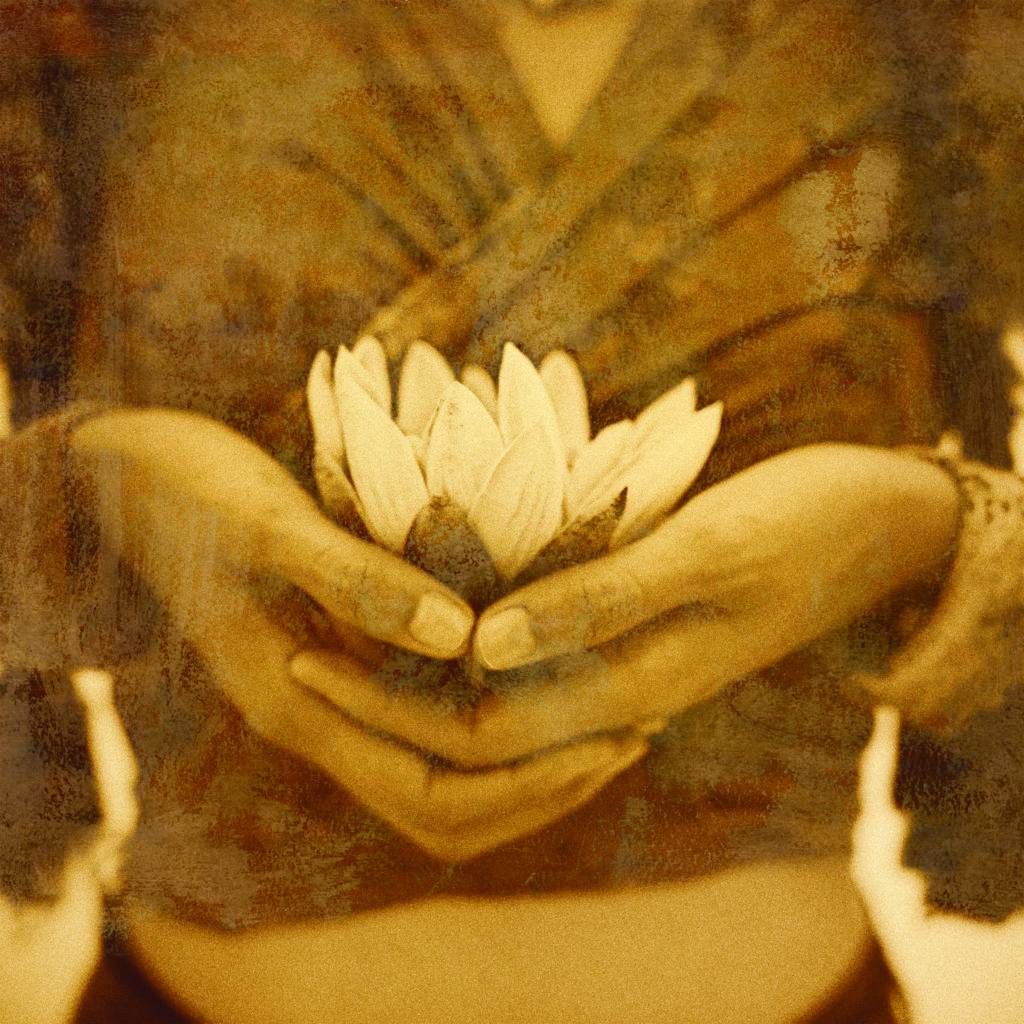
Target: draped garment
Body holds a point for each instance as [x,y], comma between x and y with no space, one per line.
[737,204]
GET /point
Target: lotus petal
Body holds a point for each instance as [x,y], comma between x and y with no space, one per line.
[323,410]
[520,507]
[463,448]
[675,404]
[523,401]
[443,543]
[384,470]
[578,542]
[479,381]
[370,354]
[564,384]
[667,465]
[336,491]
[424,376]
[345,363]
[598,469]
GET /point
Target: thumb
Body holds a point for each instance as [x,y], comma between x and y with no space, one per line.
[368,588]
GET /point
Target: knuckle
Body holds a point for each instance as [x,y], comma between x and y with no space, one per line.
[583,608]
[573,619]
[624,598]
[345,582]
[375,595]
[591,594]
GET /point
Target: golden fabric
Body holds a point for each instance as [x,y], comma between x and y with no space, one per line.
[282,176]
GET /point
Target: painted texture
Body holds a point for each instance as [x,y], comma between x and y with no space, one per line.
[814,208]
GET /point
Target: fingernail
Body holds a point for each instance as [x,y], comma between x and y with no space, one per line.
[505,639]
[441,624]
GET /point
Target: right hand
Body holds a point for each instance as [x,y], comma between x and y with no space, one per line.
[235,549]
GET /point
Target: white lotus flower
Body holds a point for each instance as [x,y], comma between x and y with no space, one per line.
[517,459]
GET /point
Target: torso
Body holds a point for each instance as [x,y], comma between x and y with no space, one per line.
[238,253]
[769,942]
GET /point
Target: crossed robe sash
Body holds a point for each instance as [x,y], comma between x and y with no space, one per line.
[288,176]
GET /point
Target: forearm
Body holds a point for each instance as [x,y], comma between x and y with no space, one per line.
[58,590]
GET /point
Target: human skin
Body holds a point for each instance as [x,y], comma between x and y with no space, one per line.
[750,570]
[214,526]
[800,514]
[247,644]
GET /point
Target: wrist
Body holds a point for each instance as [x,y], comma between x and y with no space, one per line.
[965,653]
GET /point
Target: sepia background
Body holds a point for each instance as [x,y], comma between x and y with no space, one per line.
[970,117]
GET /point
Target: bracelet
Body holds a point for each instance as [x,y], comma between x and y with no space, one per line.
[970,649]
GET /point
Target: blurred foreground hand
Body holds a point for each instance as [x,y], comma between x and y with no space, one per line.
[952,970]
[49,950]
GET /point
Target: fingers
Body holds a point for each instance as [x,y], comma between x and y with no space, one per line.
[423,723]
[648,674]
[587,605]
[464,844]
[247,652]
[451,802]
[847,521]
[715,552]
[496,733]
[634,679]
[370,589]
[453,815]
[197,479]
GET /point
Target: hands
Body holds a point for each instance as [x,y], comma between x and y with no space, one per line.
[235,550]
[747,572]
[186,500]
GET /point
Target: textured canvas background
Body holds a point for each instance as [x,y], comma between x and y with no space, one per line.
[970,58]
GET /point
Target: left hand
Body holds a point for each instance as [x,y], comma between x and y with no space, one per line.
[949,967]
[749,571]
